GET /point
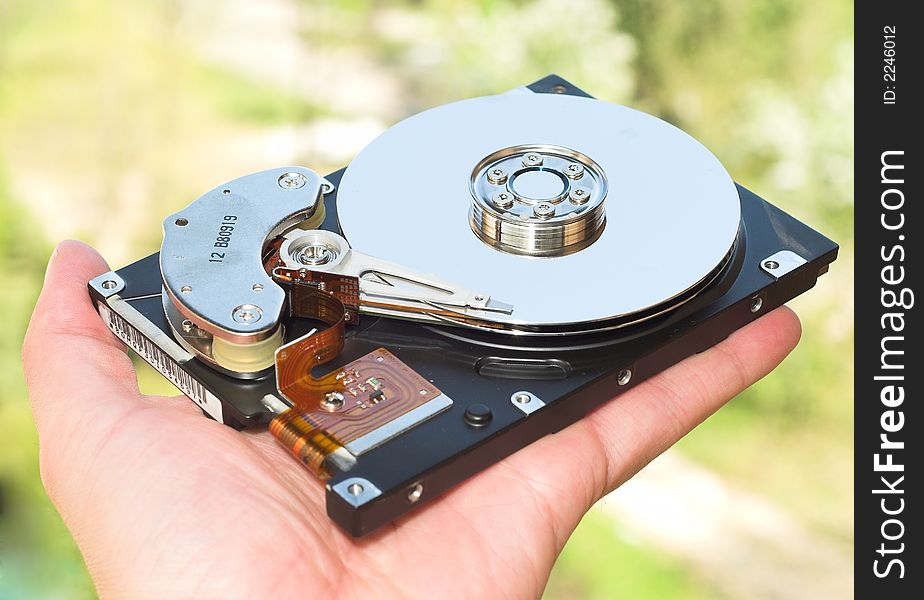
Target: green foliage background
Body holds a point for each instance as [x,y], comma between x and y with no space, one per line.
[112,115]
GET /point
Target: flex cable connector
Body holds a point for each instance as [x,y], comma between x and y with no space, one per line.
[293,427]
[351,409]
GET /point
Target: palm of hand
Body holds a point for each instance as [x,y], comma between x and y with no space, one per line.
[165,502]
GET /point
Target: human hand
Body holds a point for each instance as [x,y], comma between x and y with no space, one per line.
[165,502]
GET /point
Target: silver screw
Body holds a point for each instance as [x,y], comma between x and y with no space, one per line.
[355,489]
[497,176]
[502,200]
[624,377]
[292,181]
[187,325]
[756,304]
[579,195]
[771,264]
[109,284]
[532,159]
[247,313]
[523,398]
[544,210]
[574,170]
[332,401]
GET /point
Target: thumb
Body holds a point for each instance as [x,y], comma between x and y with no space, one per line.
[73,365]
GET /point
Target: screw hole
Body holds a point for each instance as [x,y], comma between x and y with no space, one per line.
[756,304]
[181,222]
[771,264]
[415,492]
[624,377]
[257,287]
[559,89]
[355,489]
[225,192]
[186,289]
[109,284]
[523,398]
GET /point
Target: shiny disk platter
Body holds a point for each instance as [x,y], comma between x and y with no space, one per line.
[581,214]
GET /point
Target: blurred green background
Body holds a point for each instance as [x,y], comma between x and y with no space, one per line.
[115,113]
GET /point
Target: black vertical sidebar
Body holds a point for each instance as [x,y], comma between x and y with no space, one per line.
[888,435]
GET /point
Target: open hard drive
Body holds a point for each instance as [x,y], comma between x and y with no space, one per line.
[482,274]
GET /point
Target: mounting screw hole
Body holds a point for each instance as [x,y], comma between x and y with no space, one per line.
[109,284]
[771,264]
[415,492]
[355,489]
[624,377]
[181,222]
[756,304]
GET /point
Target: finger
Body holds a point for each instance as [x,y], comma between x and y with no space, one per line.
[72,363]
[663,409]
[572,469]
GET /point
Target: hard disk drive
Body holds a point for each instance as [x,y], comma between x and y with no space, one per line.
[482,274]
